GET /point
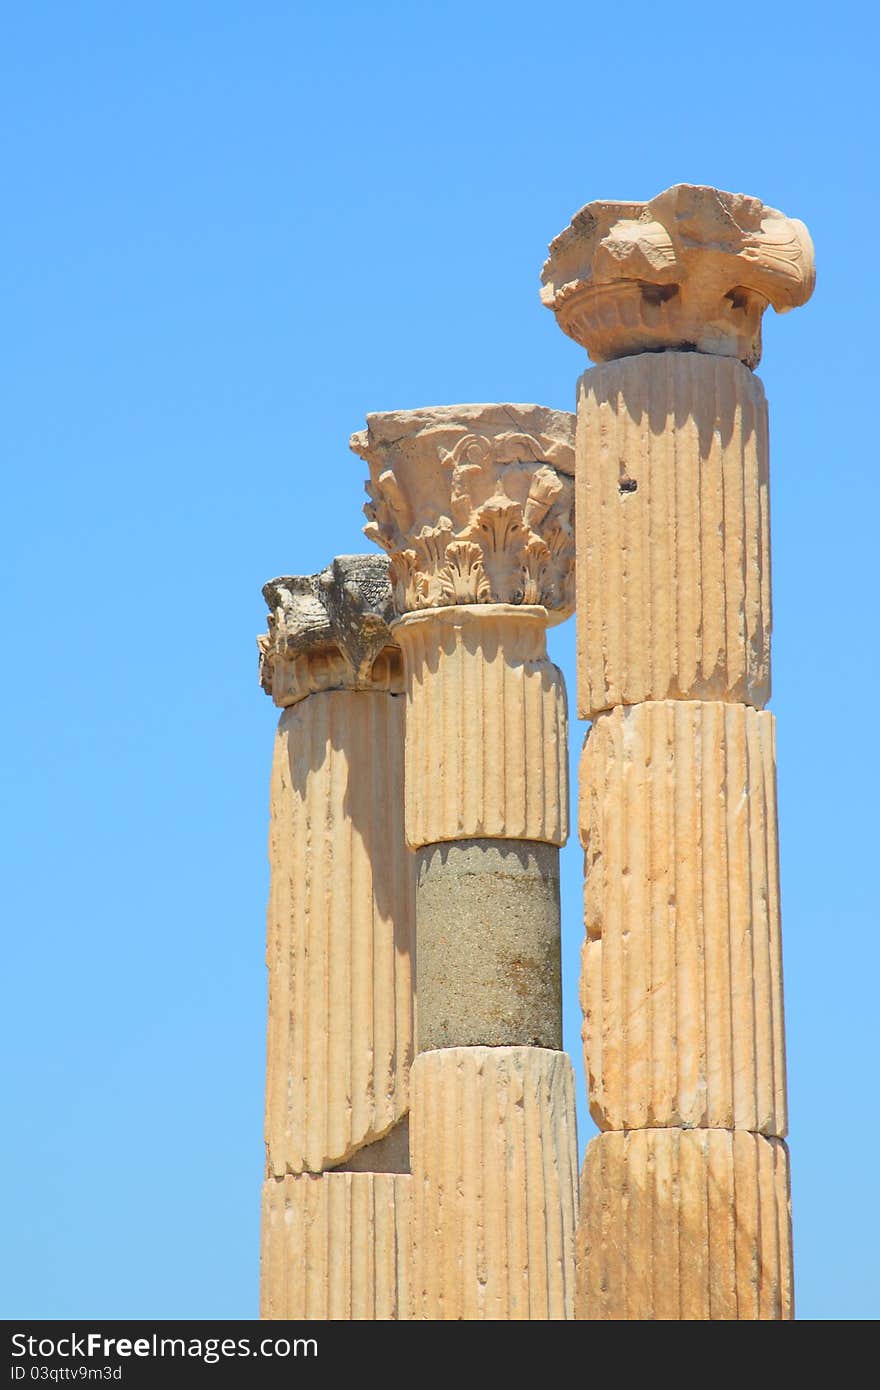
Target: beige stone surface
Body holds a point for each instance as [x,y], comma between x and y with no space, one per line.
[494,1152]
[340,931]
[486,726]
[336,1247]
[673,525]
[681,984]
[693,268]
[474,504]
[685,1225]
[329,631]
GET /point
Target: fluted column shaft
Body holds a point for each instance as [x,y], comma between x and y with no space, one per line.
[685,1196]
[673,533]
[494,1184]
[681,982]
[336,1213]
[339,923]
[682,973]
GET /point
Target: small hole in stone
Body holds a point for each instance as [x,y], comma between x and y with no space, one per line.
[657,294]
[738,297]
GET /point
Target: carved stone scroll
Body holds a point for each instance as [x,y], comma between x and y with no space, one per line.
[693,270]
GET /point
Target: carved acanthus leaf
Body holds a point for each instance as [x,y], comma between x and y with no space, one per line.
[409,583]
[544,490]
[536,565]
[463,578]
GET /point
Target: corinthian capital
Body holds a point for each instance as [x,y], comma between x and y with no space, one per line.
[474,504]
[694,268]
[329,631]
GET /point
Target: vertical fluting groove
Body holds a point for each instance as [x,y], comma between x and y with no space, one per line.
[710,491]
[768,774]
[766,571]
[669,556]
[313,1112]
[382,963]
[450,759]
[644,550]
[441,772]
[690,443]
[740,560]
[539,751]
[656,909]
[337,981]
[488,751]
[697,1223]
[535,754]
[340,931]
[716,907]
[495,1184]
[336,1246]
[762,949]
[559,735]
[748,1083]
[761,946]
[691,427]
[502,770]
[376,953]
[472,767]
[701,784]
[681,987]
[480,688]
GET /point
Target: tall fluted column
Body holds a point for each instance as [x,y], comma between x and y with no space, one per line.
[474,505]
[336,1198]
[684,1197]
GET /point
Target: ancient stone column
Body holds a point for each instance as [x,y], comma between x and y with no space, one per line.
[684,1196]
[335,1241]
[474,505]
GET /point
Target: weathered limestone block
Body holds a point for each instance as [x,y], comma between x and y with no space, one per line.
[329,631]
[694,268]
[494,1151]
[673,528]
[336,1247]
[486,726]
[682,972]
[474,504]
[340,931]
[685,1225]
[488,963]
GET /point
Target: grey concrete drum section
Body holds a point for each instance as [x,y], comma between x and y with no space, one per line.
[488,961]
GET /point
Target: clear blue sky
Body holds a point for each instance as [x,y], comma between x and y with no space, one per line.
[230,230]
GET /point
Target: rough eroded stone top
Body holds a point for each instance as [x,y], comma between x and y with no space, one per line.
[474,504]
[694,268]
[329,631]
